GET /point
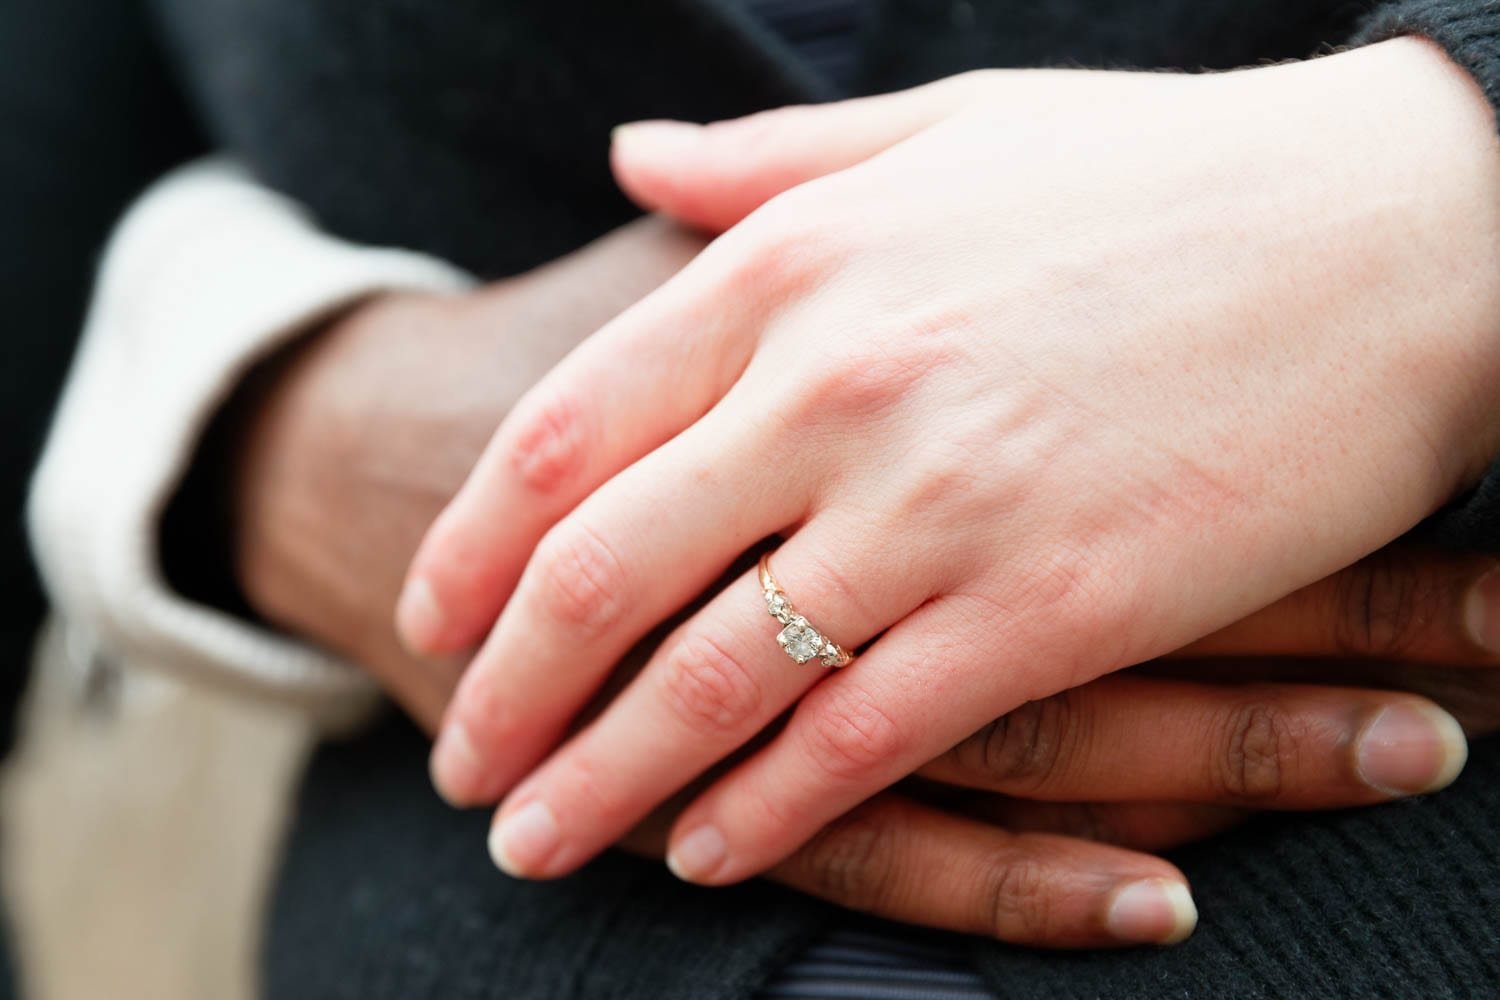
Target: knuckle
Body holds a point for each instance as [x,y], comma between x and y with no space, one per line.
[852,861]
[1070,596]
[1257,745]
[547,445]
[580,582]
[1383,604]
[709,688]
[876,375]
[592,789]
[950,485]
[1017,899]
[485,710]
[851,738]
[760,261]
[1022,750]
[1065,581]
[784,247]
[829,583]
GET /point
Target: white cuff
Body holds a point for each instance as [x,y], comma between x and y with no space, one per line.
[207,274]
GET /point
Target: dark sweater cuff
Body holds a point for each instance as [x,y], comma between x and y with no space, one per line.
[1468,29]
[1470,32]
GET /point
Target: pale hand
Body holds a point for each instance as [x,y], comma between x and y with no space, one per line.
[370,427]
[1060,372]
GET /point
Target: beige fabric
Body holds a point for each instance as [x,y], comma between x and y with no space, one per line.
[140,820]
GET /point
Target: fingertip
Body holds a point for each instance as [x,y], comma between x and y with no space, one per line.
[653,138]
[1482,612]
[455,588]
[455,767]
[1152,911]
[646,156]
[524,840]
[1184,912]
[1411,748]
[699,855]
[420,621]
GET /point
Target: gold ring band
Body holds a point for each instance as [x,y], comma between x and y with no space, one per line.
[798,639]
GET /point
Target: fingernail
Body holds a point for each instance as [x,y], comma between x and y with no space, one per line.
[657,138]
[521,843]
[454,766]
[419,619]
[1153,911]
[1410,749]
[1483,612]
[698,855]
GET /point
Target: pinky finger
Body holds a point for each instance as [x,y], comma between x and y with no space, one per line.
[905,861]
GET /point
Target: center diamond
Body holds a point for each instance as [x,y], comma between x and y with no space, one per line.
[800,640]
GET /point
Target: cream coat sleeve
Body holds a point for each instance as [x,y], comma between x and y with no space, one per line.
[206,274]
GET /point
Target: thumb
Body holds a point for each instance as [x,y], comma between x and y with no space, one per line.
[712,176]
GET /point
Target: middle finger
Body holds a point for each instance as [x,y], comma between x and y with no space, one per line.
[1281,746]
[631,556]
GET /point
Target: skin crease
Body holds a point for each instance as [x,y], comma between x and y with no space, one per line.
[1106,414]
[367,430]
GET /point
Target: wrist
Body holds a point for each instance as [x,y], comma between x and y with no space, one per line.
[318,453]
[1407,140]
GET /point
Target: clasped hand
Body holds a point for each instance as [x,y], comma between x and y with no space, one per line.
[1034,375]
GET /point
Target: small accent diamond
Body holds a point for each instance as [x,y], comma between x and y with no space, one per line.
[832,655]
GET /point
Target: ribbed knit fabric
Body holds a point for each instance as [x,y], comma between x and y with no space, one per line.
[1402,900]
[388,895]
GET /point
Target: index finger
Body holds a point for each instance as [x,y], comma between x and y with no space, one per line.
[897,859]
[632,386]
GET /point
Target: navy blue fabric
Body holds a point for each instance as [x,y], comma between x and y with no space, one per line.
[879,962]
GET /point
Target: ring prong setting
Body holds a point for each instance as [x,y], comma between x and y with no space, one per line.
[800,640]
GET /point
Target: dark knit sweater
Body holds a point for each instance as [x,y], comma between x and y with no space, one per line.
[388,895]
[477,130]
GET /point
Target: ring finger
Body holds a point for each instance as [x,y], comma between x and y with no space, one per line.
[718,680]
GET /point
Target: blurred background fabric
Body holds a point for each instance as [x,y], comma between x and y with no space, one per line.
[67,177]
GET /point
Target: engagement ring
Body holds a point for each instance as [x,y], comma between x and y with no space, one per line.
[798,639]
